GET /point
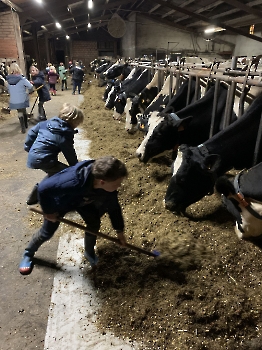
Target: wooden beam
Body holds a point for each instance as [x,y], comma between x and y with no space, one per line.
[244,7]
[167,22]
[208,20]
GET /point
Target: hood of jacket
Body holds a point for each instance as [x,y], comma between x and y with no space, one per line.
[59,126]
[13,79]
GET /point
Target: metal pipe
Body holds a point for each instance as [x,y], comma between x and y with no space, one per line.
[214,110]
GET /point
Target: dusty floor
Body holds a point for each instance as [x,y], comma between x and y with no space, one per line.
[203,292]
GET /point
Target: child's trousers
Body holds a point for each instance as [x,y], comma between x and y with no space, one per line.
[90,214]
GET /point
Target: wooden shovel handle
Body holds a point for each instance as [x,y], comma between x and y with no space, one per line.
[100,234]
[39,87]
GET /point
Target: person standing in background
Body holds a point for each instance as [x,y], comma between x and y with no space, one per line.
[62,74]
[52,80]
[38,80]
[19,88]
[77,77]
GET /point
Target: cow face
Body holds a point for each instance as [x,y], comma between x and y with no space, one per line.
[109,86]
[142,122]
[135,109]
[120,102]
[110,98]
[194,179]
[163,135]
[128,125]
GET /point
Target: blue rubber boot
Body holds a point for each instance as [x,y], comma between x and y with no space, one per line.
[26,264]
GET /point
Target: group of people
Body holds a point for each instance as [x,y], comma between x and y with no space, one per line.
[76,71]
[19,87]
[88,187]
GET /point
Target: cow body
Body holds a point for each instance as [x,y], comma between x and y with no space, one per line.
[232,147]
[133,87]
[143,100]
[158,104]
[242,196]
[191,126]
[176,103]
[118,86]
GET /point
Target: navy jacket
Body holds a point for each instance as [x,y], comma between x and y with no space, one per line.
[72,188]
[46,140]
[78,73]
[43,93]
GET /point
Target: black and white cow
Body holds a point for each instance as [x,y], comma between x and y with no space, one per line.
[176,103]
[144,98]
[118,86]
[131,89]
[190,125]
[242,196]
[195,174]
[158,104]
[3,81]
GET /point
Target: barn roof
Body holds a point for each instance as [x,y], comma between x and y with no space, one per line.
[192,16]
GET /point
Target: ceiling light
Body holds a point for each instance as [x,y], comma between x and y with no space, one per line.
[43,27]
[58,25]
[89,25]
[39,1]
[90,4]
[214,29]
[67,37]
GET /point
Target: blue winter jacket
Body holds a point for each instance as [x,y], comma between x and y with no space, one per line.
[46,140]
[43,93]
[18,87]
[72,188]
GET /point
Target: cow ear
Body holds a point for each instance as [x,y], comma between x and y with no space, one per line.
[212,163]
[184,123]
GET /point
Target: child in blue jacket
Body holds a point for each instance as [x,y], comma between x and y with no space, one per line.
[19,88]
[48,138]
[90,188]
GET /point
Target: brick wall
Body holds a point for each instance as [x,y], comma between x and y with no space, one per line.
[11,48]
[85,51]
[8,47]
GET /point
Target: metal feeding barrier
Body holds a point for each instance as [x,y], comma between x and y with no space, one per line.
[237,82]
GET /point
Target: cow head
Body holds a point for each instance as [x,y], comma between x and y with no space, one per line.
[135,109]
[142,122]
[112,95]
[108,88]
[119,103]
[163,134]
[192,179]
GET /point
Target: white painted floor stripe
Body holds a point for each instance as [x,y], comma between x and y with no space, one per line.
[72,315]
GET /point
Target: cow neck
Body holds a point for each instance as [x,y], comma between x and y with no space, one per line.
[203,150]
[241,198]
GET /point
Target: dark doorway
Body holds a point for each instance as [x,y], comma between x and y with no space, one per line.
[60,56]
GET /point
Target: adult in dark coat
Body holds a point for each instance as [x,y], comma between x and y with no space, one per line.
[38,80]
[77,77]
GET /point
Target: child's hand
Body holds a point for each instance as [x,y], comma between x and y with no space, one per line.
[51,217]
[122,238]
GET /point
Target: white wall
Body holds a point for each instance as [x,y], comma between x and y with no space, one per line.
[153,37]
[129,39]
[248,47]
[145,36]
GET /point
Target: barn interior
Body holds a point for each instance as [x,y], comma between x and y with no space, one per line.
[204,289]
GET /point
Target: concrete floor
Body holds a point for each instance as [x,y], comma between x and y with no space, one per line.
[25,300]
